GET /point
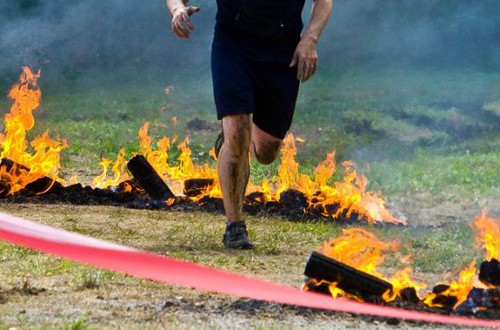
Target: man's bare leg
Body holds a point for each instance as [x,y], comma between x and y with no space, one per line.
[234,171]
[233,164]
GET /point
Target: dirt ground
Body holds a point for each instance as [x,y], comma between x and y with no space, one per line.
[40,291]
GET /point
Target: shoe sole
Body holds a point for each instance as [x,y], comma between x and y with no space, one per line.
[238,245]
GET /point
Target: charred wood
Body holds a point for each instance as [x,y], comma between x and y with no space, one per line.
[489,272]
[409,295]
[196,187]
[41,185]
[349,279]
[148,178]
[441,299]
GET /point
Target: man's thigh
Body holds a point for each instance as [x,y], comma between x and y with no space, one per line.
[275,97]
[233,84]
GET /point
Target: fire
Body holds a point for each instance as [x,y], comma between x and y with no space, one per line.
[42,157]
[362,250]
[118,168]
[348,196]
[401,280]
[158,156]
[458,289]
[488,235]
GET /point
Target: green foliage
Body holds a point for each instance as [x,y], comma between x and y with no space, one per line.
[462,175]
[79,324]
[445,250]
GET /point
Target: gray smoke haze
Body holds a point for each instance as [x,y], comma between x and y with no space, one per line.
[61,36]
[73,36]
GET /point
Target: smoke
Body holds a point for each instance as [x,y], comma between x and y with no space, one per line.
[73,36]
[417,33]
[70,37]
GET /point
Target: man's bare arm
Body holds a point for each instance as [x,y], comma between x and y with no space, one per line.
[181,23]
[306,56]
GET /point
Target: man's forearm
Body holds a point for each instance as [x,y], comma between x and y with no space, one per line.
[319,17]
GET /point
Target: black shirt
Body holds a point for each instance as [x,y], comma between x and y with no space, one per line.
[263,30]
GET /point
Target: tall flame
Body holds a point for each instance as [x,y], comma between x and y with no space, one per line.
[42,156]
[488,235]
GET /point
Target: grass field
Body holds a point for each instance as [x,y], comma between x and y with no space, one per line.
[428,142]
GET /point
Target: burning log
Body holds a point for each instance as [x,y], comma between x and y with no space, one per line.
[195,187]
[149,179]
[39,186]
[349,279]
[489,272]
[441,299]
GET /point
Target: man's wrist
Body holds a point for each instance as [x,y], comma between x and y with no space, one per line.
[312,37]
[178,9]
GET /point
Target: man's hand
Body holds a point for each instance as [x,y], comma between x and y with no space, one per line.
[181,23]
[305,58]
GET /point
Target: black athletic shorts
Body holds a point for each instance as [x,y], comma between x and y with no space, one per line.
[268,90]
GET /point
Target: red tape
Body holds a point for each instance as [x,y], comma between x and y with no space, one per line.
[171,271]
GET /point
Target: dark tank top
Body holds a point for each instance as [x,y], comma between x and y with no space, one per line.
[278,20]
[266,30]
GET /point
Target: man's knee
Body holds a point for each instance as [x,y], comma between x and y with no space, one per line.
[267,151]
[237,134]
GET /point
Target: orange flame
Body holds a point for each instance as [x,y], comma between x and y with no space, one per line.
[488,235]
[362,250]
[118,168]
[402,279]
[348,196]
[42,158]
[158,156]
[459,289]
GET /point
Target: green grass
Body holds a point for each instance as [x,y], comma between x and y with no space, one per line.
[464,175]
[431,131]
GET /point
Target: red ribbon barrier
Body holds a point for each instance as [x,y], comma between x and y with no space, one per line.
[171,271]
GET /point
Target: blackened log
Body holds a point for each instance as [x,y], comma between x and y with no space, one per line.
[292,199]
[41,185]
[489,272]
[409,294]
[149,179]
[442,300]
[195,187]
[349,279]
